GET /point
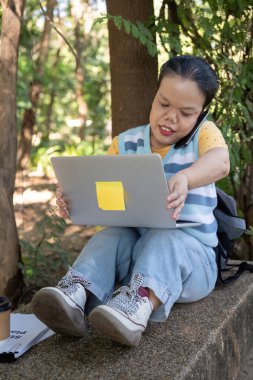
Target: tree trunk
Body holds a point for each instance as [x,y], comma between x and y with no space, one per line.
[133,70]
[10,273]
[49,112]
[79,11]
[52,94]
[244,196]
[29,118]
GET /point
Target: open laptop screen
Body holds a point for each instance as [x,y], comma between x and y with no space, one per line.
[120,190]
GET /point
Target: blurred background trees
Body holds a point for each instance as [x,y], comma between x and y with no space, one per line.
[71,97]
[64,83]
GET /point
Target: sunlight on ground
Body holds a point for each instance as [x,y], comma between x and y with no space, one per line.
[32,196]
[25,195]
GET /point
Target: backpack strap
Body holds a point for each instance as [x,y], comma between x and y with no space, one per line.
[235,225]
[242,267]
[230,228]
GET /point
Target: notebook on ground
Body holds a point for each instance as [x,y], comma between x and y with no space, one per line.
[121,190]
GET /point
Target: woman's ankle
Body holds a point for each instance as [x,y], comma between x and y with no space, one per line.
[153,299]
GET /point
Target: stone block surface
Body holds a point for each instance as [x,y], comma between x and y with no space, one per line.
[205,340]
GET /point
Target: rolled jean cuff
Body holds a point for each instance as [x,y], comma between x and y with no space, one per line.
[164,295]
[93,288]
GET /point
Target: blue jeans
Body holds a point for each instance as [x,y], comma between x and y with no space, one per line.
[174,264]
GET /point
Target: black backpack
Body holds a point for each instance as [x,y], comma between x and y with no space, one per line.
[230,228]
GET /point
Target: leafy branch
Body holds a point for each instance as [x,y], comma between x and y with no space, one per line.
[137,30]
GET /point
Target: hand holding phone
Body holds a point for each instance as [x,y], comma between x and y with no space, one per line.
[186,139]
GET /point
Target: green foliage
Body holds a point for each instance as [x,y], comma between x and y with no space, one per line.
[45,258]
[249,231]
[138,30]
[221,32]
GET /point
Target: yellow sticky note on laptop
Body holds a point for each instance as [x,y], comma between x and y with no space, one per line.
[110,196]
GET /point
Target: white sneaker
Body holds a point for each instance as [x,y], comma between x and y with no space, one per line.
[125,316]
[61,308]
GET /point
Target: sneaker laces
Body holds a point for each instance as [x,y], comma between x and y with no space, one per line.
[69,283]
[126,298]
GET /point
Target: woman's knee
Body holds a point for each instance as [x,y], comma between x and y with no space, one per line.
[198,285]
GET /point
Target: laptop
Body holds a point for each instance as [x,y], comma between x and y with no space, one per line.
[119,190]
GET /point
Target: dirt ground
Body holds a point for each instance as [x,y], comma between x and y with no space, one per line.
[34,195]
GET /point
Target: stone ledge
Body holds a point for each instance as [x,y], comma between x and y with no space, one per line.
[203,340]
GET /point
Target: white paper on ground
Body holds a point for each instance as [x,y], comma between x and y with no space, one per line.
[26,330]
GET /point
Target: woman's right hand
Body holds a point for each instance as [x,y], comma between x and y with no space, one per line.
[178,188]
[61,203]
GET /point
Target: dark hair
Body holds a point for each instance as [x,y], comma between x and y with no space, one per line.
[195,69]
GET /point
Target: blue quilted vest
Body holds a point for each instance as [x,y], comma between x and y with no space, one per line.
[200,202]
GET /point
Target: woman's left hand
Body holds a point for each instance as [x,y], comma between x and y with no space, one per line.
[178,190]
